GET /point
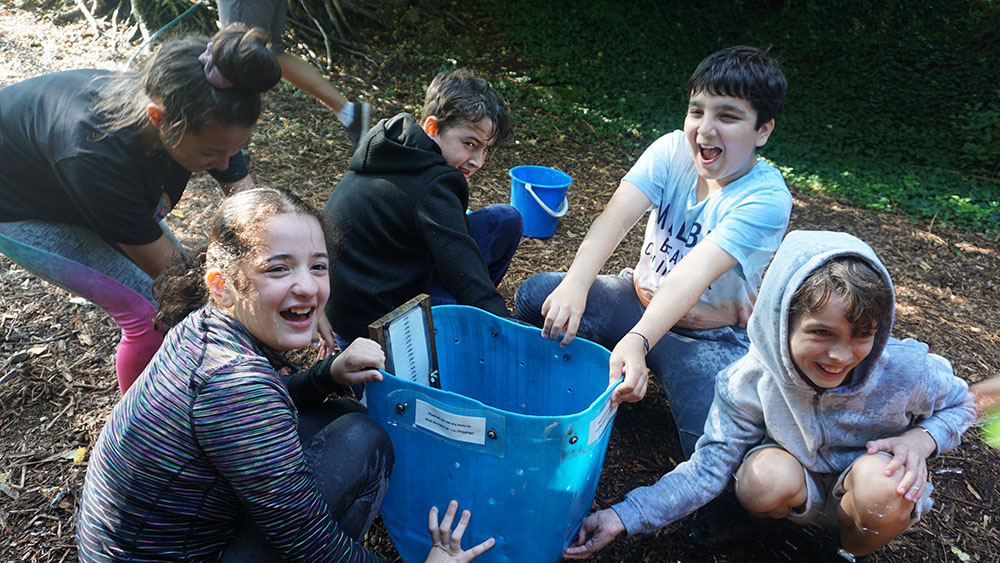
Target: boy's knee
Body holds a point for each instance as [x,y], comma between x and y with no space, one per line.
[508,213]
[771,480]
[507,219]
[867,477]
[876,503]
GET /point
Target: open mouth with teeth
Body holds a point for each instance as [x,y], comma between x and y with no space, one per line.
[709,153]
[297,314]
[830,372]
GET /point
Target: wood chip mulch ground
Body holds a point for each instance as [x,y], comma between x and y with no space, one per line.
[57,352]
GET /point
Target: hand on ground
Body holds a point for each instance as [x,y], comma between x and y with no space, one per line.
[597,531]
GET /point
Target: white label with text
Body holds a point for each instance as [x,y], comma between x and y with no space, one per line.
[598,425]
[471,429]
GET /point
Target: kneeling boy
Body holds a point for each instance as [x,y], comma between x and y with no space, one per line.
[401,210]
[827,420]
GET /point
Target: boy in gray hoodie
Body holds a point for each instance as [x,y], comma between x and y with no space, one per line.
[826,420]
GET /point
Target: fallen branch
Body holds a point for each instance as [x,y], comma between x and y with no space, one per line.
[90,17]
[962,500]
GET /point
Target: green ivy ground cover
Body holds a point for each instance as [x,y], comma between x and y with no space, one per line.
[894,105]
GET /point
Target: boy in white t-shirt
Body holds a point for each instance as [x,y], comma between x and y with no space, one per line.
[717,215]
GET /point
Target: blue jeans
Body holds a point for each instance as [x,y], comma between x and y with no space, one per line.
[351,459]
[686,361]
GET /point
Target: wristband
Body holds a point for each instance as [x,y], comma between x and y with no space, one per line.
[645,341]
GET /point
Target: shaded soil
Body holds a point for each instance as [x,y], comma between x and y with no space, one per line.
[57,352]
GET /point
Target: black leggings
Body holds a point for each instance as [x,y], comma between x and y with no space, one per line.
[351,458]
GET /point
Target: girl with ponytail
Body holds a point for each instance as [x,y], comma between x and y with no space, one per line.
[91,161]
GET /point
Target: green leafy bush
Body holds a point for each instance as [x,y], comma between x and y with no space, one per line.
[893,105]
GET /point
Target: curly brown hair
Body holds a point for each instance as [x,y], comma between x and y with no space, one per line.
[237,229]
[863,290]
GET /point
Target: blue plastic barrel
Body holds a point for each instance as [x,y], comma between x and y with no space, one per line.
[517,434]
[539,193]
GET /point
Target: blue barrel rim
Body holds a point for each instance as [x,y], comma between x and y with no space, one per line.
[569,179]
[595,405]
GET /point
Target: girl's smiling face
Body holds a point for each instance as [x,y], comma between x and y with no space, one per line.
[284,286]
[824,346]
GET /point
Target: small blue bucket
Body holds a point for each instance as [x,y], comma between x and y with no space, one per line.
[539,193]
[516,434]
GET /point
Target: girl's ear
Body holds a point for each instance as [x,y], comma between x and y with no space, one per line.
[155,112]
[219,289]
[431,126]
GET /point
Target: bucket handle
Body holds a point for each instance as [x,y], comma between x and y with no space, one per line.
[563,207]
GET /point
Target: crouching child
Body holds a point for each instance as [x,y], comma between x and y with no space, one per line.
[826,421]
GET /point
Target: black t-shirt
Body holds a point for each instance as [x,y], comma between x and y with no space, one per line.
[57,165]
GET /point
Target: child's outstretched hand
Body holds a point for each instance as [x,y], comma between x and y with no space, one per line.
[563,309]
[359,363]
[447,542]
[910,451]
[597,531]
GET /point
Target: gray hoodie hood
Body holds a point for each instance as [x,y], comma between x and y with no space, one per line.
[800,254]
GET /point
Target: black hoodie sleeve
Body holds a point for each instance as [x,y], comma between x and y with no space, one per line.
[440,219]
[312,386]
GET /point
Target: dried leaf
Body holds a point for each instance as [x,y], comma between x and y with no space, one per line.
[9,491]
[962,556]
[36,350]
[78,301]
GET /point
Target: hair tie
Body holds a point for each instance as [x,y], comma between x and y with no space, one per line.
[212,72]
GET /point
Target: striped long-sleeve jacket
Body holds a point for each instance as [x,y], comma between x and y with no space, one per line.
[205,438]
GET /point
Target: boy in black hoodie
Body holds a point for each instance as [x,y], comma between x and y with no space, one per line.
[401,210]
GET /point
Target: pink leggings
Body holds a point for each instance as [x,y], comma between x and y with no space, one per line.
[77,260]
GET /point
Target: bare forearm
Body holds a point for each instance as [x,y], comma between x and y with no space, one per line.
[154,257]
[683,286]
[625,208]
[594,251]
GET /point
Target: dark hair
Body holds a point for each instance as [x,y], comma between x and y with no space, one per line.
[237,229]
[176,78]
[460,97]
[864,292]
[743,72]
